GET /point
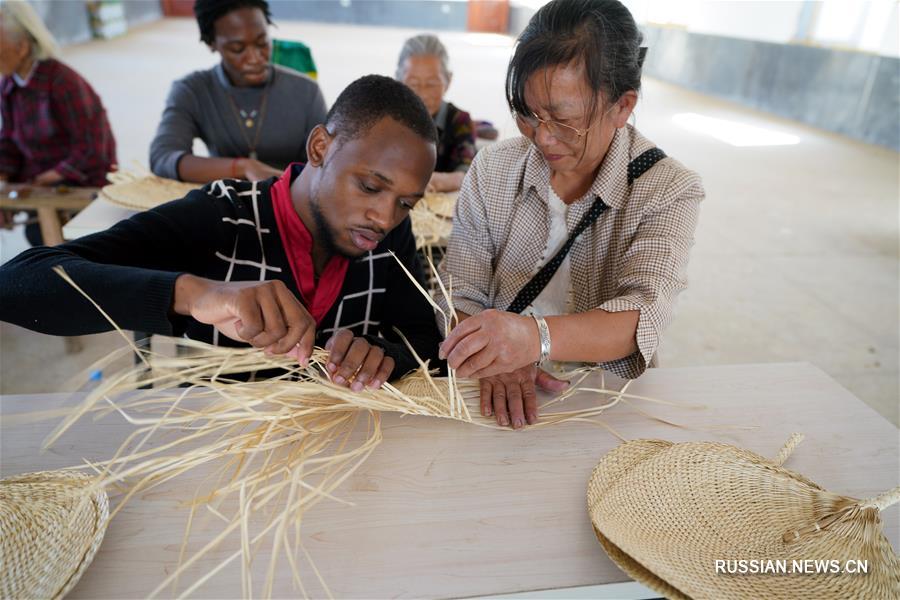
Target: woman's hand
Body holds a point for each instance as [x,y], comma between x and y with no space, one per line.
[48,177]
[491,343]
[512,398]
[264,314]
[6,216]
[354,355]
[254,170]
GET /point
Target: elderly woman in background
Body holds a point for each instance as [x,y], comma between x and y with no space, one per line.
[254,117]
[423,67]
[55,129]
[571,242]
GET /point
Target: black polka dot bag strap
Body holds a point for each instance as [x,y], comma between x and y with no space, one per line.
[533,288]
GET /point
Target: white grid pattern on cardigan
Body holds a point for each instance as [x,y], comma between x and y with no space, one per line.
[367,294]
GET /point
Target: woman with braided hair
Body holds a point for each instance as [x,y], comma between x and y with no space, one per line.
[253,116]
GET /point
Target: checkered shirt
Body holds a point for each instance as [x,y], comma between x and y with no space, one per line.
[634,257]
[58,122]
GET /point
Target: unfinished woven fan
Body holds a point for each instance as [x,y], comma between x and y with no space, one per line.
[51,524]
[441,203]
[432,220]
[141,190]
[665,513]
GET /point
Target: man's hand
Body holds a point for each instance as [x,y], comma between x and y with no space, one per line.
[254,170]
[262,313]
[354,355]
[511,397]
[48,177]
[491,343]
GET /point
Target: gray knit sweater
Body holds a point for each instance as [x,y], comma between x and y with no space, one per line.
[199,107]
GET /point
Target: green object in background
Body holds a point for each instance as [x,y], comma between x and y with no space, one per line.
[294,55]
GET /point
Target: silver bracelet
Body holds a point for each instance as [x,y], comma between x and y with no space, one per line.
[544,332]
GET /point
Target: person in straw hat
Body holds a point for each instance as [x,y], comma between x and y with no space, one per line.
[279,264]
[571,241]
[253,116]
[55,129]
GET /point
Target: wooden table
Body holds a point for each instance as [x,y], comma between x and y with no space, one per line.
[447,509]
[98,216]
[47,201]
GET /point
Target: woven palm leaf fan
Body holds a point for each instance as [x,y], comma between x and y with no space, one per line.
[141,190]
[51,525]
[666,513]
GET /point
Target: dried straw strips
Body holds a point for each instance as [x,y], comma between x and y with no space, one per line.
[276,447]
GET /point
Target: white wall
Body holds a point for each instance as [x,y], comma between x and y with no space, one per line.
[874,35]
[766,21]
[749,19]
[870,26]
[890,45]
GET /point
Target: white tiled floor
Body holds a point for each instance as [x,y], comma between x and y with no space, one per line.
[797,248]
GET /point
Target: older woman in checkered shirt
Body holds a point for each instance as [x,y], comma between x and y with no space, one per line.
[571,242]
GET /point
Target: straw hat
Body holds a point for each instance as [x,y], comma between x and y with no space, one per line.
[665,513]
[143,191]
[51,524]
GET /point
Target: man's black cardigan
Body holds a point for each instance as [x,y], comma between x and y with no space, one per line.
[225,231]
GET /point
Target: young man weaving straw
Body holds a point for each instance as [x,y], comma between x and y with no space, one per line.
[279,264]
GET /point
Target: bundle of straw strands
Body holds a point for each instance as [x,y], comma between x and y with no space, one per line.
[432,225]
[278,446]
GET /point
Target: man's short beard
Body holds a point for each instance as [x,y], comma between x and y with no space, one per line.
[323,230]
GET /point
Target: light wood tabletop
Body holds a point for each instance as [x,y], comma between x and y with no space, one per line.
[98,216]
[448,509]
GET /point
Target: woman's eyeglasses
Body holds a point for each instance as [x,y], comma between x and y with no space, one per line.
[563,133]
[426,85]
